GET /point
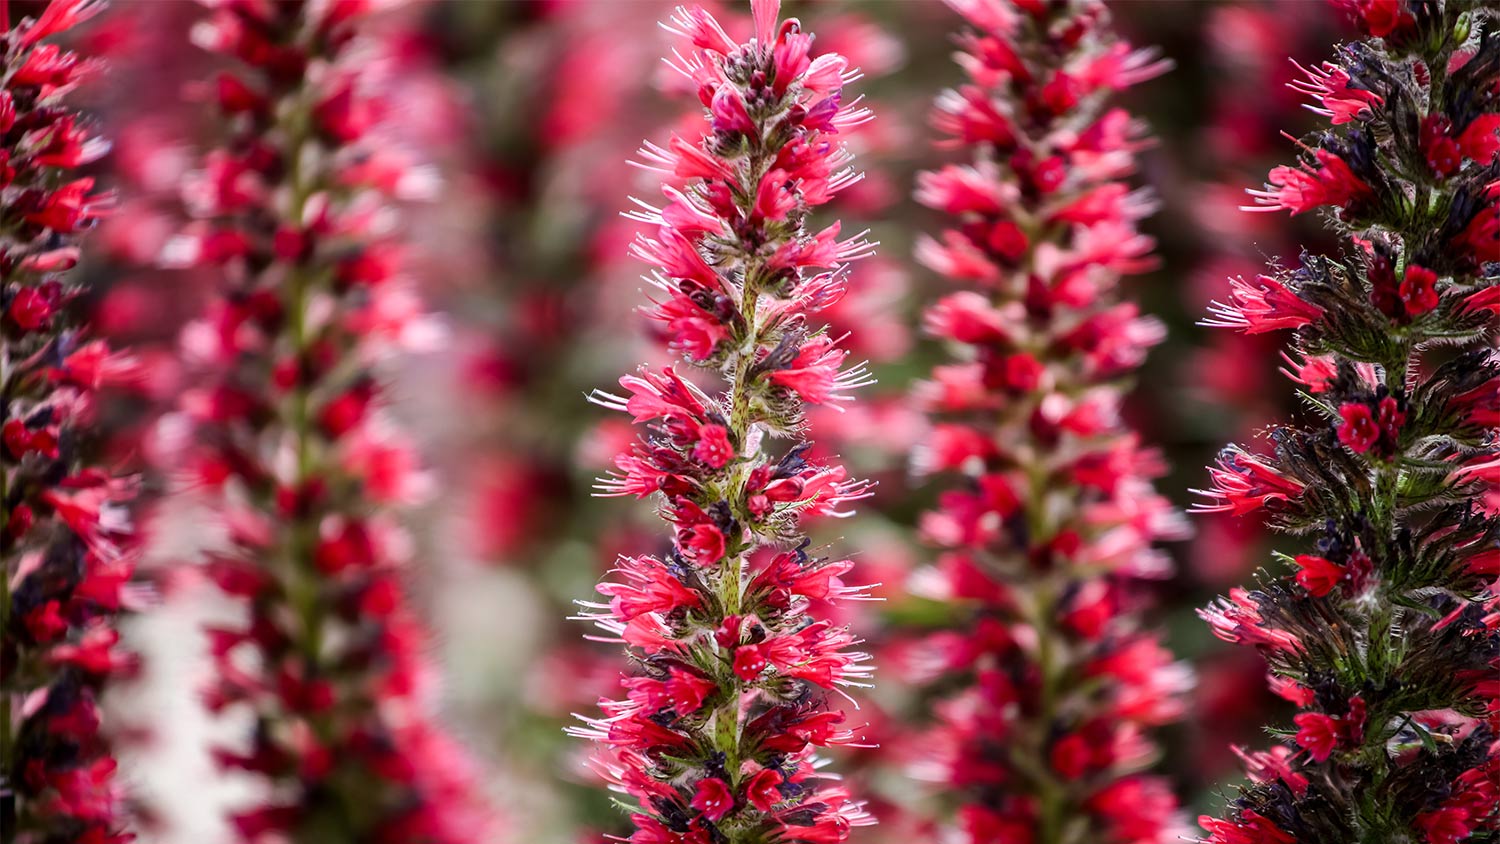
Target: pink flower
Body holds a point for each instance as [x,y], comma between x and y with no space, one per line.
[1267,305]
[729,112]
[1332,87]
[963,190]
[1303,188]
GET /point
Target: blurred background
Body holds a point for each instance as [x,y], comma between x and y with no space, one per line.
[526,113]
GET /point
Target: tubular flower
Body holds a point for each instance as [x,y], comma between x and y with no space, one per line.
[1381,628]
[328,659]
[1051,514]
[716,735]
[66,544]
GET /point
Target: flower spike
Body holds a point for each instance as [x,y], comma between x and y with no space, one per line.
[1051,514]
[293,442]
[1381,627]
[737,676]
[67,546]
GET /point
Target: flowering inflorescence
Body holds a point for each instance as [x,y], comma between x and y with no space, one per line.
[715,737]
[1054,518]
[291,441]
[1385,633]
[66,545]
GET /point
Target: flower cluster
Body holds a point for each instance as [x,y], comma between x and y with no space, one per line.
[1051,518]
[1385,631]
[716,735]
[292,444]
[65,541]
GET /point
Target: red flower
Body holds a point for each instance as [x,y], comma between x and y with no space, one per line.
[658,593]
[689,691]
[1267,305]
[1244,483]
[1137,809]
[1251,828]
[31,309]
[1071,756]
[1332,87]
[713,446]
[1481,141]
[1318,733]
[713,798]
[1238,619]
[1303,188]
[814,373]
[1417,291]
[1382,18]
[1441,151]
[984,826]
[1359,430]
[1318,576]
[703,543]
[763,790]
[1393,490]
[1445,826]
[1273,765]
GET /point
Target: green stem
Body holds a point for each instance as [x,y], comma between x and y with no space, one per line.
[304,588]
[1050,792]
[741,425]
[731,585]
